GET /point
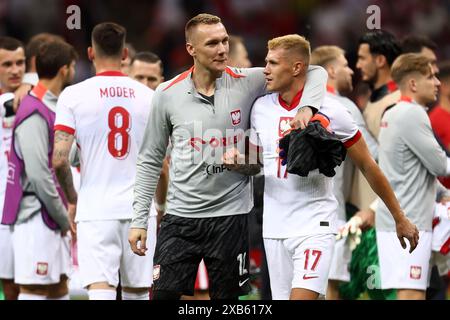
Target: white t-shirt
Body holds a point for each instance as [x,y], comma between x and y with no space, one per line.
[107,114]
[294,205]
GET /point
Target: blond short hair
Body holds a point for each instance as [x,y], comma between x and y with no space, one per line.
[324,55]
[294,43]
[202,18]
[409,63]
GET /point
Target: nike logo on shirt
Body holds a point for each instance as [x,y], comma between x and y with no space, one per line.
[305,277]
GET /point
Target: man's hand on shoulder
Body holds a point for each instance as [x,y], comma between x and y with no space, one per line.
[19,94]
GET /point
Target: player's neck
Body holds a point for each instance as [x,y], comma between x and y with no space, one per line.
[107,65]
[53,85]
[290,92]
[444,102]
[413,96]
[331,86]
[384,76]
[204,80]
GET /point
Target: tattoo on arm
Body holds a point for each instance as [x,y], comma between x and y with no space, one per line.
[62,136]
[65,179]
[63,144]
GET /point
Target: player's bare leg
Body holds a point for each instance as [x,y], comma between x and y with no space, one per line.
[303,294]
[35,290]
[410,294]
[101,291]
[333,290]
[198,295]
[10,289]
[135,293]
[59,290]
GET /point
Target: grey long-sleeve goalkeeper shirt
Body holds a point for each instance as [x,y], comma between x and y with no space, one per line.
[411,158]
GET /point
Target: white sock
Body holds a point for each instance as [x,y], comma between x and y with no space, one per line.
[102,294]
[143,295]
[30,296]
[64,297]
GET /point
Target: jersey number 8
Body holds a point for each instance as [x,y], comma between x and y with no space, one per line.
[119,122]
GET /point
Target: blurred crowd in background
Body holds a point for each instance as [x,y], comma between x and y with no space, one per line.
[158,25]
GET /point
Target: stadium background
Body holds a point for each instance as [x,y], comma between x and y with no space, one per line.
[158,25]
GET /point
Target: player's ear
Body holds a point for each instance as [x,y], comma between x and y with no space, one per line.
[412,84]
[331,70]
[298,67]
[380,61]
[125,53]
[90,53]
[64,70]
[190,49]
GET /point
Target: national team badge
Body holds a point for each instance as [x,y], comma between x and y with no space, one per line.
[284,126]
[156,272]
[42,268]
[415,272]
[235,117]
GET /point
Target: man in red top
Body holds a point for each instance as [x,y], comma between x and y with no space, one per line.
[440,115]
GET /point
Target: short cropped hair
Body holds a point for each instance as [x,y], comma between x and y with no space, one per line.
[36,41]
[383,43]
[10,44]
[52,56]
[202,18]
[324,55]
[409,63]
[293,42]
[109,39]
[131,50]
[415,43]
[149,57]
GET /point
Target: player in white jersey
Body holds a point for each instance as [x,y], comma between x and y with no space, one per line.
[12,69]
[106,114]
[299,222]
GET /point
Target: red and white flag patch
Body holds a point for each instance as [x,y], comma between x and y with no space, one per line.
[235,117]
[415,272]
[42,268]
[156,272]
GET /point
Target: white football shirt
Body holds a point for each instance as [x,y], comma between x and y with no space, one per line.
[107,114]
[294,205]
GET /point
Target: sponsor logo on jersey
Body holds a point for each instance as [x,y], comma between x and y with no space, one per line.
[415,272]
[216,142]
[235,117]
[42,268]
[156,272]
[215,169]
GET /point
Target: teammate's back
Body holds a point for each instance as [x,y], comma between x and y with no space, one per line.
[107,114]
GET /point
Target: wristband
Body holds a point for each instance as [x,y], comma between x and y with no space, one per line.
[160,207]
